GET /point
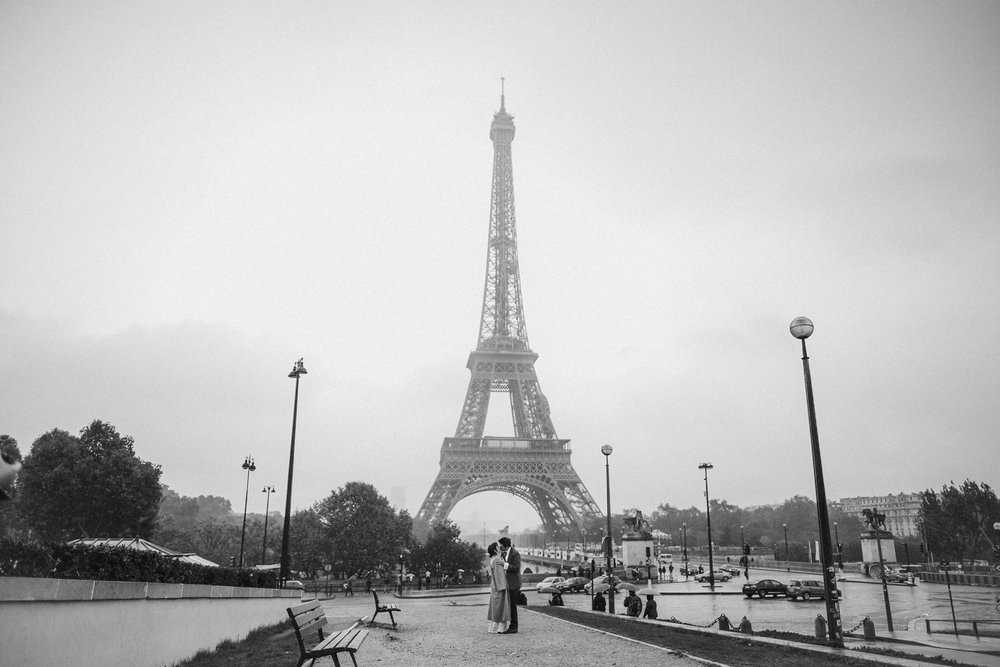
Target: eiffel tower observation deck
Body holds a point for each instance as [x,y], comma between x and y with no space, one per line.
[534,464]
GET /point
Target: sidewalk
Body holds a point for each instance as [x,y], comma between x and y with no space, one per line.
[984,651]
[448,629]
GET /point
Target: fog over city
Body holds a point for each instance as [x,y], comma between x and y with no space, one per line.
[195,195]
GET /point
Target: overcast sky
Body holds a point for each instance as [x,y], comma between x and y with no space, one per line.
[193,195]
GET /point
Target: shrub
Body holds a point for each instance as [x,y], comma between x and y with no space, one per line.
[20,558]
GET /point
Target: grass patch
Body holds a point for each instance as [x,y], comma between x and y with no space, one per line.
[737,650]
[268,645]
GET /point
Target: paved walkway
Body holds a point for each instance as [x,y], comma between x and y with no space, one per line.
[452,631]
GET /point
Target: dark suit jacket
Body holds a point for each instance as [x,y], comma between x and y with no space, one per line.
[513,569]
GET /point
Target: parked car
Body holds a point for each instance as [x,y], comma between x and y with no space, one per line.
[719,575]
[602,580]
[573,585]
[731,569]
[807,588]
[692,569]
[295,583]
[548,581]
[764,587]
[898,576]
[665,559]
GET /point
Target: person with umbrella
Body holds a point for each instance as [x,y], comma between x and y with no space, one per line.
[556,599]
[633,605]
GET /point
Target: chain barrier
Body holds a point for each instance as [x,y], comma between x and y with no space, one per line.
[712,622]
[860,623]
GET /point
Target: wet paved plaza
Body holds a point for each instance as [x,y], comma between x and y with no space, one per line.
[691,602]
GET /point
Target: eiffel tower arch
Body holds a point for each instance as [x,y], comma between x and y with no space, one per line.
[534,464]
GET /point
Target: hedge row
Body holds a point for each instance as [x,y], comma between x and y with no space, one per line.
[64,561]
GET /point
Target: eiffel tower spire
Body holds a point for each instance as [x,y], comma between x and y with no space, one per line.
[534,464]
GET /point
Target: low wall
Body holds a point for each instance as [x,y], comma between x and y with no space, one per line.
[960,578]
[82,622]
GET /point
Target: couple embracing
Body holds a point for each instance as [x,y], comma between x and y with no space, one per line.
[505,586]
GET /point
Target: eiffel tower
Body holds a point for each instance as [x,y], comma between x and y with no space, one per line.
[534,464]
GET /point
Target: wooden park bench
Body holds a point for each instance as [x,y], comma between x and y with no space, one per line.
[309,616]
[379,608]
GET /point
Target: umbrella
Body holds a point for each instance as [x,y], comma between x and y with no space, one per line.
[601,588]
[625,586]
[648,591]
[549,589]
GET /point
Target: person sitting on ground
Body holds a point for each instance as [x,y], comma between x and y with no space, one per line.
[557,600]
[633,605]
[600,604]
[650,610]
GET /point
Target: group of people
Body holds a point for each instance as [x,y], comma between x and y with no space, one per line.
[505,591]
[632,603]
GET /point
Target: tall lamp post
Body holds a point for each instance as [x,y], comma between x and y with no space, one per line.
[788,567]
[840,547]
[267,508]
[249,467]
[708,517]
[298,369]
[684,541]
[609,547]
[802,328]
[746,556]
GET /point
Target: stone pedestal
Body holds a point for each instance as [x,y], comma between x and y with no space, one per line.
[869,547]
[638,552]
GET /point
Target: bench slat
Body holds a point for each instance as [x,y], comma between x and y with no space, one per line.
[345,640]
[305,606]
[312,620]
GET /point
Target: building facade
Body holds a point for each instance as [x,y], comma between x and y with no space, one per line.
[901,511]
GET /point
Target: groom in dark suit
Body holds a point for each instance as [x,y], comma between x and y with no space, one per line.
[512,566]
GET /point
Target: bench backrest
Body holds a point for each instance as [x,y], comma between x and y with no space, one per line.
[307,617]
[376,597]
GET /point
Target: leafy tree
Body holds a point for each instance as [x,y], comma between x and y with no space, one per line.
[309,544]
[8,447]
[955,520]
[88,486]
[203,525]
[444,552]
[364,531]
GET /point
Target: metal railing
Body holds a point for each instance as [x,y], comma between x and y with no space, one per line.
[953,626]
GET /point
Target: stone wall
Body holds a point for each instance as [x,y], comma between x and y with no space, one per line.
[83,622]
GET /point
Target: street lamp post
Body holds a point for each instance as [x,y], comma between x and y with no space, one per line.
[249,467]
[609,548]
[788,567]
[840,547]
[881,570]
[746,556]
[298,369]
[684,541]
[708,517]
[267,508]
[802,328]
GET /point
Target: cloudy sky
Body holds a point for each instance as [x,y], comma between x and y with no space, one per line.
[194,195]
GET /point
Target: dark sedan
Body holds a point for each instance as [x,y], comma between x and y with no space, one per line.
[573,585]
[764,587]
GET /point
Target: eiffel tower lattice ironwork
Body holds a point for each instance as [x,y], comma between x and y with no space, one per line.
[534,464]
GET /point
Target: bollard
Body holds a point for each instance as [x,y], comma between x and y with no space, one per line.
[724,623]
[745,626]
[869,628]
[820,624]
